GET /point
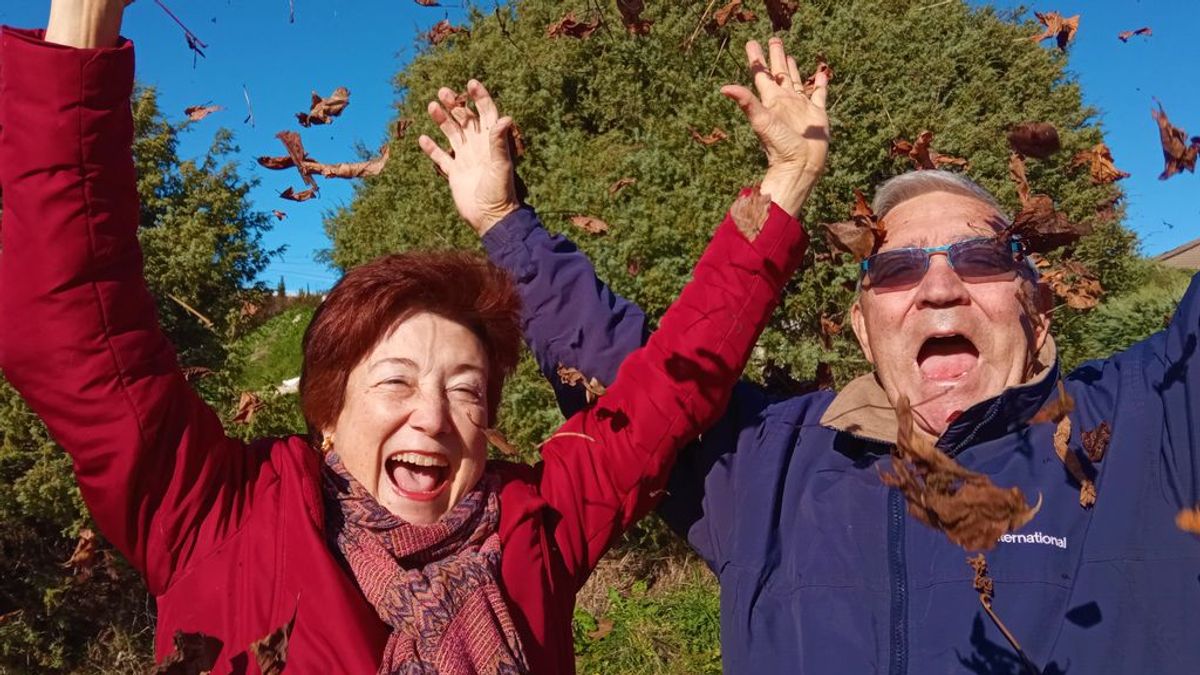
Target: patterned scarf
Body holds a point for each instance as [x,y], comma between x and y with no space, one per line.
[434,585]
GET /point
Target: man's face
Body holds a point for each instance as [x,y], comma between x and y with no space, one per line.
[943,342]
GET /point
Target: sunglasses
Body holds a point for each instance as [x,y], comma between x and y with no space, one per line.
[974,260]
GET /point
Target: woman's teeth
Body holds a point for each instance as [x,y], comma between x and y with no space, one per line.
[419,459]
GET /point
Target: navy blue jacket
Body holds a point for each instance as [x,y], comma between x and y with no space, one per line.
[821,568]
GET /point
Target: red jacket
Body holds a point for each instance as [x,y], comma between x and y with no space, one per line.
[229,536]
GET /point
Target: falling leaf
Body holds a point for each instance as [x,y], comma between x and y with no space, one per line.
[427,3]
[302,196]
[965,505]
[749,212]
[569,26]
[781,12]
[271,651]
[861,235]
[370,167]
[276,163]
[1095,442]
[1179,153]
[1034,139]
[1057,409]
[498,441]
[323,110]
[442,30]
[1042,228]
[589,224]
[1074,283]
[810,82]
[402,126]
[716,136]
[1062,30]
[516,141]
[621,184]
[732,12]
[295,148]
[633,267]
[829,328]
[194,654]
[280,215]
[248,404]
[572,377]
[1124,35]
[603,628]
[1099,161]
[85,557]
[1188,520]
[1016,171]
[631,16]
[196,113]
[193,373]
[922,155]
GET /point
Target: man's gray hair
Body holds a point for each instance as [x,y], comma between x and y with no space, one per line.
[906,186]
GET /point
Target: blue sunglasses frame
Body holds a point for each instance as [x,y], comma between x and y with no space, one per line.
[1015,246]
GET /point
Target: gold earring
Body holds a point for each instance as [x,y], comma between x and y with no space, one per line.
[327,443]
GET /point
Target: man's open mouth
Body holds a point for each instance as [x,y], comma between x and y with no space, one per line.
[947,357]
[418,475]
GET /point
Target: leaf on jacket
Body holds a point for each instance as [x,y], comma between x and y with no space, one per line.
[1074,283]
[302,196]
[323,110]
[1188,520]
[631,16]
[270,652]
[1095,442]
[1099,161]
[441,31]
[1062,448]
[922,155]
[621,184]
[295,149]
[1124,35]
[589,224]
[279,215]
[733,12]
[780,12]
[569,26]
[196,113]
[749,212]
[1179,152]
[1016,171]
[861,235]
[810,82]
[1042,228]
[571,377]
[1062,30]
[194,654]
[965,505]
[248,404]
[1034,139]
[718,134]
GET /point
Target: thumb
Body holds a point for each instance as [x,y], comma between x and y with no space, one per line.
[747,101]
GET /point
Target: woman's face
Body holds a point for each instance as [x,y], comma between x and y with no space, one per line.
[411,427]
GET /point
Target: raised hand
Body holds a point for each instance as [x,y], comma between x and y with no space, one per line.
[85,24]
[792,127]
[478,167]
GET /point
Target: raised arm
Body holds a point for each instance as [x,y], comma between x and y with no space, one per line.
[79,338]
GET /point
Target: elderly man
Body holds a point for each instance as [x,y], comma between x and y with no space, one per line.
[821,567]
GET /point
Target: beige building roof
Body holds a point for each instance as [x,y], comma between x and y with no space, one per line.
[1186,256]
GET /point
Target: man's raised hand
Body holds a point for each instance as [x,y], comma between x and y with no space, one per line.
[478,167]
[792,127]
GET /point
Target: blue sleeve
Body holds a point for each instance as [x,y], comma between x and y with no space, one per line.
[569,316]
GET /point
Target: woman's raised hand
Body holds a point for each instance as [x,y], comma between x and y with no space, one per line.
[85,24]
[478,166]
[792,127]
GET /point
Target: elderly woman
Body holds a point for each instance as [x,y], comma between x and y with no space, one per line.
[386,534]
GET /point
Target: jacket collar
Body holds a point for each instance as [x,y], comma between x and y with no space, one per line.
[862,409]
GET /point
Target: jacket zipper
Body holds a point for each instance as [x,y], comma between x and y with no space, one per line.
[898,568]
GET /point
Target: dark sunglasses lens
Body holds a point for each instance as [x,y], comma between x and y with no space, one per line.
[892,269]
[983,260]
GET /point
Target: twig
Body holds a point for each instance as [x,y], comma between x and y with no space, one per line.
[194,43]
[560,434]
[713,69]
[291,11]
[703,17]
[936,4]
[203,319]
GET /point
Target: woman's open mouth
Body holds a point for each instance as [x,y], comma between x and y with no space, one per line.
[944,358]
[422,476]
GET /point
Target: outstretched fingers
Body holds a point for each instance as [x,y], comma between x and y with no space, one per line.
[498,141]
[779,63]
[449,126]
[821,88]
[748,102]
[763,81]
[434,152]
[488,114]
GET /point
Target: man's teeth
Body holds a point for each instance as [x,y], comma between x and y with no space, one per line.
[419,459]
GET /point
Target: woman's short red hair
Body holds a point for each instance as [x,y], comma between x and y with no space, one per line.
[372,298]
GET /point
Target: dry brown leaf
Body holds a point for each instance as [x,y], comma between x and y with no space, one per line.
[370,167]
[193,373]
[248,404]
[781,12]
[633,267]
[295,149]
[402,126]
[194,654]
[498,441]
[621,184]
[85,557]
[279,215]
[810,82]
[603,628]
[302,196]
[983,584]
[749,212]
[589,224]
[1179,152]
[965,505]
[733,12]
[829,328]
[861,235]
[922,155]
[323,110]
[1099,161]
[196,113]
[569,26]
[1124,35]
[1034,139]
[1062,30]
[572,377]
[1062,439]
[276,163]
[718,134]
[631,16]
[1188,520]
[1057,409]
[1016,171]
[1074,283]
[1042,228]
[427,3]
[442,30]
[1095,442]
[270,652]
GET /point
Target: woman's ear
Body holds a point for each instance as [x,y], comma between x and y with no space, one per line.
[859,324]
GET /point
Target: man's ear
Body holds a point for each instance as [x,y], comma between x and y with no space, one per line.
[859,324]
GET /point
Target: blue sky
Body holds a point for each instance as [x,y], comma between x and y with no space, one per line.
[361,44]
